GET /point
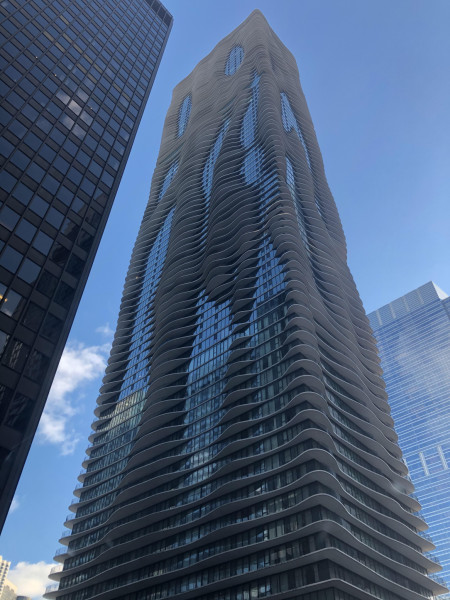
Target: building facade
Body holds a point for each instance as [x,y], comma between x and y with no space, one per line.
[243,446]
[76,76]
[4,570]
[413,337]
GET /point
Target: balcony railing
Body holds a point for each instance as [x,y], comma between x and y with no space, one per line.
[56,569]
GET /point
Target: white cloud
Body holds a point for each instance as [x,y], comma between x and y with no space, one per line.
[14,504]
[79,365]
[106,331]
[31,579]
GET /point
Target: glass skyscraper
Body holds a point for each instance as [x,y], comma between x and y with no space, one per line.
[243,446]
[76,76]
[413,337]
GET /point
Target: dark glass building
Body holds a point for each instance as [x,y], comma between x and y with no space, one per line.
[243,446]
[413,338]
[75,79]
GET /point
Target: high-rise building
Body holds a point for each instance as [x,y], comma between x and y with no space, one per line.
[413,337]
[9,591]
[4,569]
[76,76]
[243,446]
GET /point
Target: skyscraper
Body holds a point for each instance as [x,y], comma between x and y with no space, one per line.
[243,446]
[76,78]
[413,337]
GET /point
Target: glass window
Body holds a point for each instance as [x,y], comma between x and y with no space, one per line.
[43,242]
[19,412]
[59,255]
[64,295]
[29,271]
[183,115]
[85,241]
[75,266]
[8,217]
[50,184]
[52,328]
[54,217]
[16,355]
[36,366]
[26,230]
[7,181]
[234,61]
[33,316]
[22,193]
[70,229]
[32,141]
[39,206]
[36,172]
[4,337]
[47,284]
[12,304]
[10,259]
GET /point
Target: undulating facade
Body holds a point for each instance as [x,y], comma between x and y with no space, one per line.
[243,446]
[76,76]
[413,338]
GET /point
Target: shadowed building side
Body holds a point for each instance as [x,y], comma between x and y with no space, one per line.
[75,81]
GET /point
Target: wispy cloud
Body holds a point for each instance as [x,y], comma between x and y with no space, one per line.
[106,331]
[14,504]
[31,579]
[79,365]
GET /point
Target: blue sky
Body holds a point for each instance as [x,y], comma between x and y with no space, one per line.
[375,76]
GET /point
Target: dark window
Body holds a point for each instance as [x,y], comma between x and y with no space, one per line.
[22,193]
[85,241]
[29,271]
[36,366]
[39,206]
[52,327]
[93,218]
[50,184]
[47,153]
[6,148]
[5,392]
[64,295]
[59,255]
[70,229]
[20,159]
[19,412]
[15,355]
[8,217]
[25,230]
[12,304]
[33,316]
[54,217]
[47,284]
[35,171]
[10,259]
[32,141]
[65,195]
[75,175]
[78,206]
[4,337]
[75,266]
[43,242]
[7,181]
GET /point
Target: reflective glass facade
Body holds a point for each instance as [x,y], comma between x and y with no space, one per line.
[75,80]
[243,446]
[413,337]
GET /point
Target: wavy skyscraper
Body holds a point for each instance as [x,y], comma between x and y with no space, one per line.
[243,446]
[76,75]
